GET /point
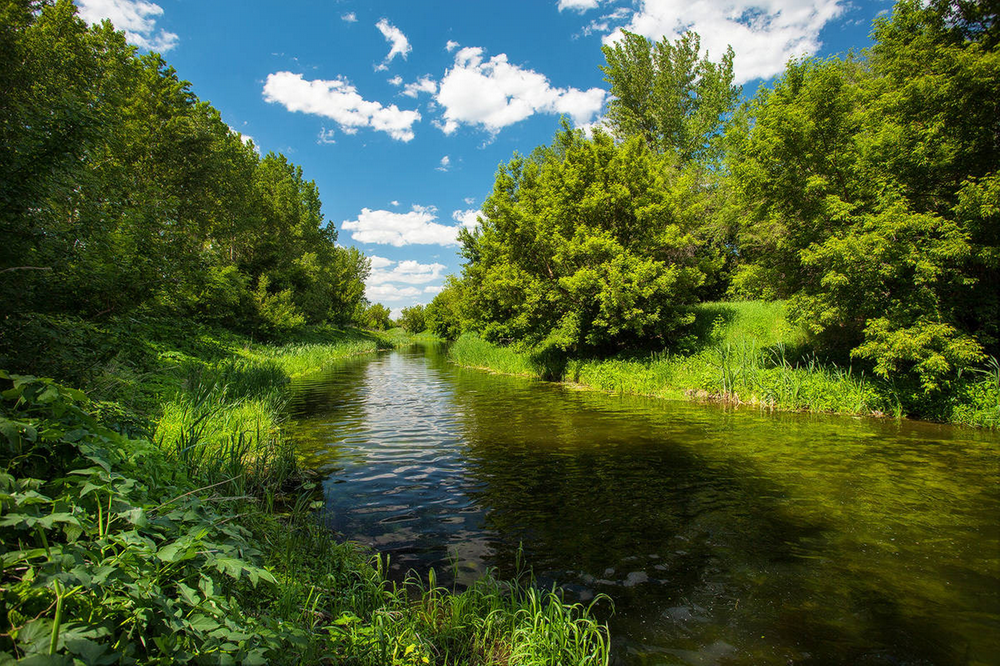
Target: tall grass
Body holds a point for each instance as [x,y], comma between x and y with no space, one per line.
[473,352]
[747,353]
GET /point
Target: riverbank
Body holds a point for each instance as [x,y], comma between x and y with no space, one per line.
[746,353]
[162,516]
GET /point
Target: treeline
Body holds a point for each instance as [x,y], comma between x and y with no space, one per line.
[862,189]
[122,193]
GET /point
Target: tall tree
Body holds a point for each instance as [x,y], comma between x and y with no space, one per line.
[668,95]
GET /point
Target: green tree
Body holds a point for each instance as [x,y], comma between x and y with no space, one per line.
[378,317]
[668,95]
[581,249]
[869,192]
[413,318]
[444,314]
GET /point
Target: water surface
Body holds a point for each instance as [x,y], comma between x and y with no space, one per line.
[723,536]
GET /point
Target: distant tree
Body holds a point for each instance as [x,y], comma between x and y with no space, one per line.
[378,317]
[413,319]
[444,314]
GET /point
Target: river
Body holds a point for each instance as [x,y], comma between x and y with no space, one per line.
[723,536]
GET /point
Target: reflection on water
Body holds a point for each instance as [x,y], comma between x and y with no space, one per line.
[723,537]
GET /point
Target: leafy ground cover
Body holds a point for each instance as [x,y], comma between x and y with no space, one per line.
[747,353]
[133,534]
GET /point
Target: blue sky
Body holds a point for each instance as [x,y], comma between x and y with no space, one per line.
[401,110]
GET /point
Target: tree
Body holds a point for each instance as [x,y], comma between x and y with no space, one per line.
[377,317]
[444,315]
[413,319]
[869,189]
[581,249]
[666,94]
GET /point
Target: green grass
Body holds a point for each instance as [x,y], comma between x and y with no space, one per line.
[201,546]
[747,353]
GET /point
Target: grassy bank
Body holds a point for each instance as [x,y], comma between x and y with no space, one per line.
[747,353]
[169,522]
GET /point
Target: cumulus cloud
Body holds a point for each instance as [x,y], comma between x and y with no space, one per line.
[494,94]
[445,163]
[136,17]
[451,46]
[763,33]
[417,227]
[349,17]
[396,80]
[433,289]
[468,218]
[424,84]
[407,272]
[578,5]
[379,293]
[400,45]
[339,101]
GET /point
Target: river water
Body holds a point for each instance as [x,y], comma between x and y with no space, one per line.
[723,536]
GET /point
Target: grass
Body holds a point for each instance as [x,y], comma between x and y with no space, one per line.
[747,353]
[201,546]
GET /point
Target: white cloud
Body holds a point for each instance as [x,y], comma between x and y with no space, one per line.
[445,163]
[494,94]
[423,84]
[765,34]
[468,218]
[407,272]
[396,80]
[394,282]
[578,5]
[418,227]
[389,292]
[340,101]
[394,202]
[325,136]
[603,24]
[395,37]
[136,17]
[470,200]
[380,262]
[451,46]
[349,17]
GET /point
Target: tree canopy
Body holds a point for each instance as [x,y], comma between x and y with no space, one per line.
[121,191]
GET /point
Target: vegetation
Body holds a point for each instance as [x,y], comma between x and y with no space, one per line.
[122,193]
[377,317]
[414,319]
[748,353]
[860,192]
[202,547]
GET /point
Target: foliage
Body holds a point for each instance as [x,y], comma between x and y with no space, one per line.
[377,317]
[444,315]
[413,319]
[666,94]
[121,192]
[870,187]
[747,353]
[581,248]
